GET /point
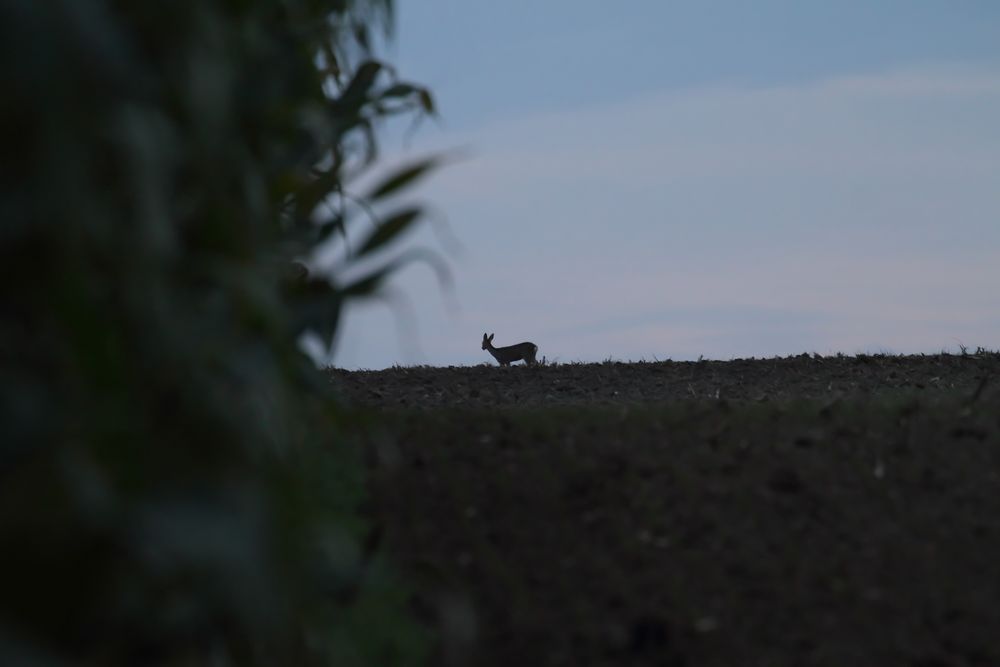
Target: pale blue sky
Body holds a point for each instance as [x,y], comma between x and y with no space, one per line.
[675,179]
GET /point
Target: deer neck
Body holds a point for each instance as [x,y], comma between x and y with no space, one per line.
[492,350]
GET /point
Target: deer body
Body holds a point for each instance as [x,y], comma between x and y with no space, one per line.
[505,355]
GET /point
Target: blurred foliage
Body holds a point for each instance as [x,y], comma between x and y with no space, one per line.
[175,485]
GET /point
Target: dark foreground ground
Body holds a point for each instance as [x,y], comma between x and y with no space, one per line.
[800,511]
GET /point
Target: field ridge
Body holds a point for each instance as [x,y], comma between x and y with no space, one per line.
[781,378]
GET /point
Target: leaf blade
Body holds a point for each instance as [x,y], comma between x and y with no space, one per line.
[389,229]
[405,177]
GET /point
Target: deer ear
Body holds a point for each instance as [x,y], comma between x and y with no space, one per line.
[491,336]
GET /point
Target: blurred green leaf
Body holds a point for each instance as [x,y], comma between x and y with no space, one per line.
[337,224]
[323,184]
[359,88]
[318,309]
[405,177]
[390,228]
[398,90]
[371,282]
[427,101]
[171,467]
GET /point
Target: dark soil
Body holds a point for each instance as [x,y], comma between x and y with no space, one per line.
[803,376]
[800,511]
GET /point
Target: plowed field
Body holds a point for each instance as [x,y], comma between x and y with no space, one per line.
[801,511]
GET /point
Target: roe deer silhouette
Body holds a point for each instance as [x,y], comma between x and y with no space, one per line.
[505,355]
